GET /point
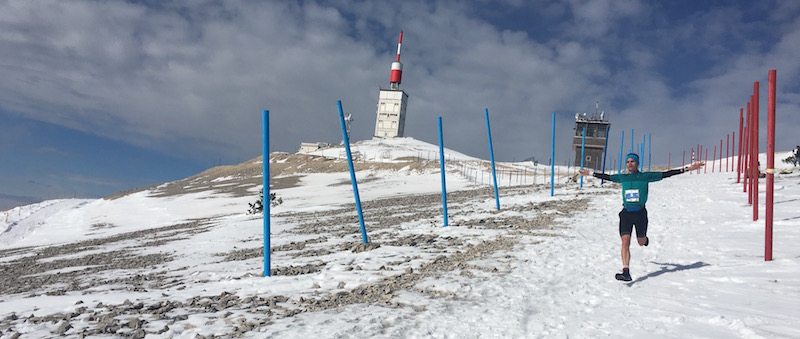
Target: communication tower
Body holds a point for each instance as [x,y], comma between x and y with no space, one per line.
[392,102]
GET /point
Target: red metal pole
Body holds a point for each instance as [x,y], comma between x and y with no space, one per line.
[746,152]
[727,151]
[750,156]
[770,164]
[705,168]
[733,148]
[739,156]
[755,150]
[714,159]
[720,155]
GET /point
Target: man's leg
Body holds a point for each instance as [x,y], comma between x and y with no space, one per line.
[626,258]
[626,250]
[625,228]
[641,228]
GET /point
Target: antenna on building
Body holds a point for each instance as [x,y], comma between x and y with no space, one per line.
[348,118]
[596,109]
[391,113]
[397,68]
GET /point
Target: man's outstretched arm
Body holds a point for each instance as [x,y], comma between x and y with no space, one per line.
[596,175]
[677,171]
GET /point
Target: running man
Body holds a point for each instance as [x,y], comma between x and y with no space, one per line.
[634,196]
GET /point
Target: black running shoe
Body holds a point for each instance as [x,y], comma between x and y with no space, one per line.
[646,241]
[624,276]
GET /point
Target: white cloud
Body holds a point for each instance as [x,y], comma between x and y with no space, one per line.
[193,78]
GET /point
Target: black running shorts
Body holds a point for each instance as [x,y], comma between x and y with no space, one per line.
[627,220]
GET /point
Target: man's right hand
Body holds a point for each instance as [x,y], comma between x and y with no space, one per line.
[584,171]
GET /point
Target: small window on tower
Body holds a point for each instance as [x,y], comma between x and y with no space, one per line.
[383,107]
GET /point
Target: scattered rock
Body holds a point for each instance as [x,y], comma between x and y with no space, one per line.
[316,236]
[63,327]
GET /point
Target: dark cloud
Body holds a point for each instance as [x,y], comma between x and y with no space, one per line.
[193,78]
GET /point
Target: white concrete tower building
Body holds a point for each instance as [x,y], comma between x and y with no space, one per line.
[392,102]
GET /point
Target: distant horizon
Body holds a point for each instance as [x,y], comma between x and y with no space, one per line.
[8,202]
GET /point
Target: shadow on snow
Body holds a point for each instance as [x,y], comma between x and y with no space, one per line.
[668,268]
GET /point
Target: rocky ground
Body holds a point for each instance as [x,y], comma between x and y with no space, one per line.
[85,268]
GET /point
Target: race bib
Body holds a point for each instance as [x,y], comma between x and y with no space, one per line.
[632,195]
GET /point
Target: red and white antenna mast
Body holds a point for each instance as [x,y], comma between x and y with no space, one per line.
[397,68]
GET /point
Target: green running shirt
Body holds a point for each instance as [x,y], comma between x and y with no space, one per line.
[634,186]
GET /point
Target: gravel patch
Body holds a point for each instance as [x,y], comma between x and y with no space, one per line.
[318,239]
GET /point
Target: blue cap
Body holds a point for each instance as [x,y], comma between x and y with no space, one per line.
[632,156]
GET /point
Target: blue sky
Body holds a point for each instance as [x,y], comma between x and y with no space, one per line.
[99,97]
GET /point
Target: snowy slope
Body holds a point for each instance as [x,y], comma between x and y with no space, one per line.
[190,264]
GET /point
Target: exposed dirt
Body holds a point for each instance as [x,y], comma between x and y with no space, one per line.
[319,239]
[285,172]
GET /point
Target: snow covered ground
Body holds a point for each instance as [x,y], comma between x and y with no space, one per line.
[189,264]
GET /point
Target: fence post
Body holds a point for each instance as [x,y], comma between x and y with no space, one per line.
[770,164]
[491,155]
[739,157]
[621,143]
[352,173]
[755,150]
[583,147]
[605,153]
[441,163]
[746,152]
[553,156]
[266,202]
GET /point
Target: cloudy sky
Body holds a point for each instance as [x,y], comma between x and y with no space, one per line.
[102,96]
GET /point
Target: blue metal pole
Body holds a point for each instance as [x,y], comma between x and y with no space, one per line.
[583,149]
[649,149]
[641,154]
[632,140]
[641,157]
[553,156]
[265,191]
[352,172]
[491,155]
[605,153]
[441,163]
[621,143]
